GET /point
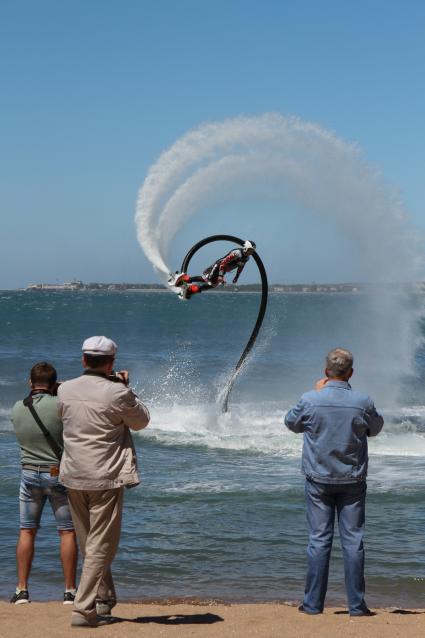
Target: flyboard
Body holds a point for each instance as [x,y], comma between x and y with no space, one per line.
[178,282]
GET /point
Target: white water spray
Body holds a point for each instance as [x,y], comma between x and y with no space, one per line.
[294,162]
[288,159]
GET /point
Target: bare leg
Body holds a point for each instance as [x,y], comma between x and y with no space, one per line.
[24,555]
[69,556]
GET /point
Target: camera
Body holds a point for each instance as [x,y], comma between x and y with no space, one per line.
[117,377]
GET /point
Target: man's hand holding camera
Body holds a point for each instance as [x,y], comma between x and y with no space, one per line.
[122,376]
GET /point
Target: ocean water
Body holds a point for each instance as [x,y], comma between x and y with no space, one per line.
[220,511]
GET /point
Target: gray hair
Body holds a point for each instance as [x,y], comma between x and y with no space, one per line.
[339,362]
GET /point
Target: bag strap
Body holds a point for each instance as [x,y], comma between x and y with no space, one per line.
[28,402]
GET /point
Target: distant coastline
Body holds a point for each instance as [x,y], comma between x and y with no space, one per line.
[80,286]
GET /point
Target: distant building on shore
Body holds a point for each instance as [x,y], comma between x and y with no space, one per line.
[74,285]
[79,285]
[276,288]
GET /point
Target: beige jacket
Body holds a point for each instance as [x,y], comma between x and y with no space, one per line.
[98,447]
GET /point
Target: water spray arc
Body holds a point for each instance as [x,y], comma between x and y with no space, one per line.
[261,310]
[291,162]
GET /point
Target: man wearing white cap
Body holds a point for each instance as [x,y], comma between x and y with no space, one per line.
[98,409]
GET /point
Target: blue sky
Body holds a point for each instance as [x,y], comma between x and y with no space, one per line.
[94,91]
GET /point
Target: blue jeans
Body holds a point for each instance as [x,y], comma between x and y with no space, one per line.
[35,489]
[348,500]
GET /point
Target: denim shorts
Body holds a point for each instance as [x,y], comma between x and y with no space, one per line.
[35,488]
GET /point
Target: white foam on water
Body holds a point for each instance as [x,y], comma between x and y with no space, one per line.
[293,161]
[243,428]
[411,412]
[261,429]
[393,444]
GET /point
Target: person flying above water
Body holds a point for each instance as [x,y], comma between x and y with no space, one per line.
[213,276]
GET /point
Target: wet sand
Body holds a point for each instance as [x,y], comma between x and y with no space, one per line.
[52,620]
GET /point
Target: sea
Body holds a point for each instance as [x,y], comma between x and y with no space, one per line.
[220,512]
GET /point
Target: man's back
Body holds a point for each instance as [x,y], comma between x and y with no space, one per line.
[336,422]
[97,414]
[232,259]
[35,449]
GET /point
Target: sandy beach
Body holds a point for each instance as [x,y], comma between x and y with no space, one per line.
[51,620]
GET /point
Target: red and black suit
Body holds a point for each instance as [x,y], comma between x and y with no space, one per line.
[214,274]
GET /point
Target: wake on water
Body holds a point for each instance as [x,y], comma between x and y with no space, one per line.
[259,429]
[292,161]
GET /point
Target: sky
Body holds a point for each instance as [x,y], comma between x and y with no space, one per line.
[93,91]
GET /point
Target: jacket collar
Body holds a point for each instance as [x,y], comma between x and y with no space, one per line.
[338,384]
[95,373]
[40,391]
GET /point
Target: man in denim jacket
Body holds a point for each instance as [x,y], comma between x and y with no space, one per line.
[336,422]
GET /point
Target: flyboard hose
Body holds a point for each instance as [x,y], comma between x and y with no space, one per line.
[261,311]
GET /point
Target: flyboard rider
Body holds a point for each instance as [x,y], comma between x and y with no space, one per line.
[213,276]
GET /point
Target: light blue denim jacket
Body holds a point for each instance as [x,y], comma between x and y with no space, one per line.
[336,422]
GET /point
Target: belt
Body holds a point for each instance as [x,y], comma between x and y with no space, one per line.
[38,468]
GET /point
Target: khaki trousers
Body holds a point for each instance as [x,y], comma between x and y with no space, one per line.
[97,519]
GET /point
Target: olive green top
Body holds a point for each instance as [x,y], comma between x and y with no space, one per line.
[35,447]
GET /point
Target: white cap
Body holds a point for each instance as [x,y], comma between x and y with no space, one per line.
[101,346]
